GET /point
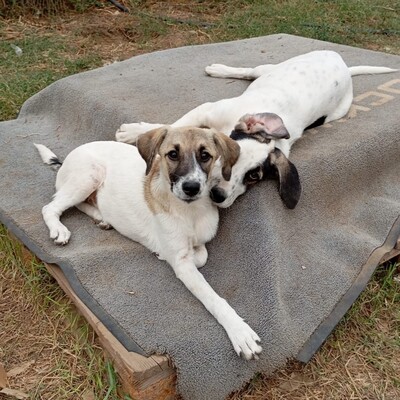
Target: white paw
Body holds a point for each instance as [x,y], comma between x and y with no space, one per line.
[60,235]
[216,70]
[200,256]
[244,340]
[128,133]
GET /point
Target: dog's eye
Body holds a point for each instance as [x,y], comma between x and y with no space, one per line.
[205,156]
[173,155]
[253,176]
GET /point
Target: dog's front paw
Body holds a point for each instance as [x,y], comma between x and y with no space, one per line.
[200,256]
[128,133]
[245,341]
[60,235]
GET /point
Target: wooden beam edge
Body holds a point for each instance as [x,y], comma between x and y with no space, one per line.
[137,372]
[391,254]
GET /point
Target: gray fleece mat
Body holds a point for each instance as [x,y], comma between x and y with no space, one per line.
[291,274]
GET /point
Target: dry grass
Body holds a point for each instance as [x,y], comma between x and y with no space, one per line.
[361,360]
[48,351]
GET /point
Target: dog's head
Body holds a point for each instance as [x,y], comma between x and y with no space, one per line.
[259,160]
[186,156]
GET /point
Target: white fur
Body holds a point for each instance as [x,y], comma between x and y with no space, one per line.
[299,90]
[117,172]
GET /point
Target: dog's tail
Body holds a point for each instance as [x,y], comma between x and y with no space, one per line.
[48,156]
[368,70]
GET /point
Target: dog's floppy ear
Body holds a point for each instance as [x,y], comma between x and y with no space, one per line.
[264,126]
[229,151]
[148,144]
[289,181]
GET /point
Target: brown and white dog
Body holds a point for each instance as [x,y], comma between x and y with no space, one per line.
[158,195]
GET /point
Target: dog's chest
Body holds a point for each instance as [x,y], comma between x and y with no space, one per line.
[205,226]
[191,227]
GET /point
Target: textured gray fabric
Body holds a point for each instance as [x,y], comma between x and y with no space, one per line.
[282,270]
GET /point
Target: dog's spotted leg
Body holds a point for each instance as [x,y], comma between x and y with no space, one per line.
[224,71]
[128,133]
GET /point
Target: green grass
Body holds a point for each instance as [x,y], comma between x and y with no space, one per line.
[349,22]
[43,61]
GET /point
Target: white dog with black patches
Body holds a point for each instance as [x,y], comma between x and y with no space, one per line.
[158,195]
[282,101]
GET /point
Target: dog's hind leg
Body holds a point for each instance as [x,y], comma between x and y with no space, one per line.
[223,71]
[342,109]
[94,213]
[69,194]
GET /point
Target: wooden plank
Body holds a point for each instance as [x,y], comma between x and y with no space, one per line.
[391,254]
[143,378]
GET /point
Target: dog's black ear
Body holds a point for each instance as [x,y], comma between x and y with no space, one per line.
[229,151]
[149,143]
[289,181]
[263,126]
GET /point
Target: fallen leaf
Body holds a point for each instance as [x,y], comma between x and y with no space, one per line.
[289,386]
[15,393]
[3,377]
[20,369]
[294,382]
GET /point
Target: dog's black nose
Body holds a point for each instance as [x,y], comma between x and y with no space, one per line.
[191,188]
[217,195]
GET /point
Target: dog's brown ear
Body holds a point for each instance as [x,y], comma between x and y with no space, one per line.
[289,181]
[229,151]
[264,126]
[149,143]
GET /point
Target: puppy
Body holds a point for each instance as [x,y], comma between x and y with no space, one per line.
[158,195]
[282,101]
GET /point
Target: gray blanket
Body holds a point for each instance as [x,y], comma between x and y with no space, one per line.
[291,274]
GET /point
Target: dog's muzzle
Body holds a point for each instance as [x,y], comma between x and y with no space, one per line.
[217,195]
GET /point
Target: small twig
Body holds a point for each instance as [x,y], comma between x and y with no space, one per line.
[119,5]
[386,8]
[25,136]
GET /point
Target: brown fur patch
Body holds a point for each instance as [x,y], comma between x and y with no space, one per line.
[92,199]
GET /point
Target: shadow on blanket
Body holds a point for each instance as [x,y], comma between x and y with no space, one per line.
[283,270]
